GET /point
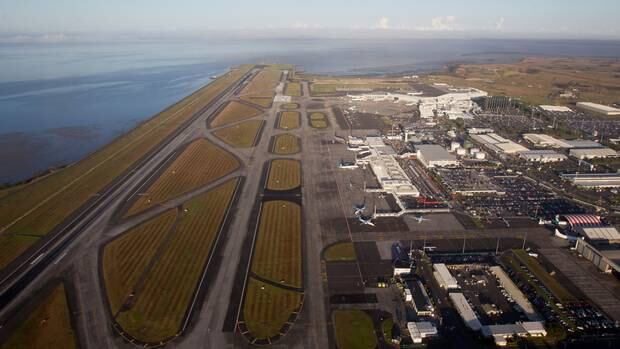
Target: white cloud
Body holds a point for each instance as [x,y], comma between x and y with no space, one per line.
[499,25]
[383,23]
[441,23]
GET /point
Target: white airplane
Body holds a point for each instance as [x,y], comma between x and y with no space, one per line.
[421,219]
[366,221]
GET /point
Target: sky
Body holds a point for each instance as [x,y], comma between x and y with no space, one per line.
[57,20]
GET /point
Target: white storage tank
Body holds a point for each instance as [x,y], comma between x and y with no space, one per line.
[480,156]
[461,151]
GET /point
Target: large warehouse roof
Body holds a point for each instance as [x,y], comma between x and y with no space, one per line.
[435,152]
[598,108]
[465,310]
[589,153]
[601,233]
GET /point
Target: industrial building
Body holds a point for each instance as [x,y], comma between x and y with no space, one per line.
[434,155]
[601,246]
[392,177]
[556,108]
[501,333]
[515,293]
[598,108]
[421,330]
[465,311]
[593,153]
[444,278]
[543,140]
[498,144]
[543,156]
[421,301]
[580,143]
[594,180]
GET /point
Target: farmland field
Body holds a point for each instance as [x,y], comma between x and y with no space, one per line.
[354,330]
[342,251]
[233,112]
[293,89]
[289,120]
[126,257]
[167,288]
[242,135]
[318,120]
[267,308]
[285,144]
[284,174]
[38,207]
[290,106]
[201,163]
[277,253]
[48,326]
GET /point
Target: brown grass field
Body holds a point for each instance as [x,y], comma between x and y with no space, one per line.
[285,144]
[540,80]
[242,135]
[289,120]
[126,257]
[233,112]
[284,174]
[267,308]
[48,326]
[201,163]
[160,304]
[264,102]
[263,84]
[321,86]
[290,106]
[277,253]
[38,207]
[293,89]
[318,120]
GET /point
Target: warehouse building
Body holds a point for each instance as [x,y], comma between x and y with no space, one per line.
[434,155]
[594,180]
[465,311]
[421,301]
[593,153]
[392,177]
[444,278]
[421,330]
[543,140]
[556,109]
[601,246]
[501,333]
[543,156]
[598,108]
[498,144]
[515,293]
[581,143]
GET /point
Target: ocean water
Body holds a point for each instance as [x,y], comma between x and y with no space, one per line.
[60,102]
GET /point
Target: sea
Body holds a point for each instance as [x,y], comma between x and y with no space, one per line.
[60,102]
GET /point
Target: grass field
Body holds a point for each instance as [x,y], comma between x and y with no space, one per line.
[201,163]
[289,120]
[293,89]
[285,144]
[48,326]
[318,120]
[354,330]
[242,135]
[267,308]
[233,112]
[126,257]
[284,174]
[342,251]
[290,106]
[277,253]
[327,87]
[540,80]
[167,288]
[38,207]
[264,102]
[261,89]
[541,274]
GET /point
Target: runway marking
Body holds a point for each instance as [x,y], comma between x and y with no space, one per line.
[155,171]
[36,260]
[59,258]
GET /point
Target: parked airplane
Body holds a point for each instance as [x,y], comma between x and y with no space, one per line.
[366,220]
[359,209]
[421,219]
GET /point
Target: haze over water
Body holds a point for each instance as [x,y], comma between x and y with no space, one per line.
[59,103]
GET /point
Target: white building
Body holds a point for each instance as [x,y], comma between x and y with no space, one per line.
[556,108]
[593,153]
[594,180]
[598,108]
[542,156]
[392,177]
[444,278]
[543,140]
[498,144]
[465,311]
[421,330]
[434,155]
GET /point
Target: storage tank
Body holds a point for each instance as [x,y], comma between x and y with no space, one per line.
[480,156]
[461,151]
[454,146]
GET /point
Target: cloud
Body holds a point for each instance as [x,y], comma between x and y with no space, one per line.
[383,23]
[500,23]
[51,38]
[441,23]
